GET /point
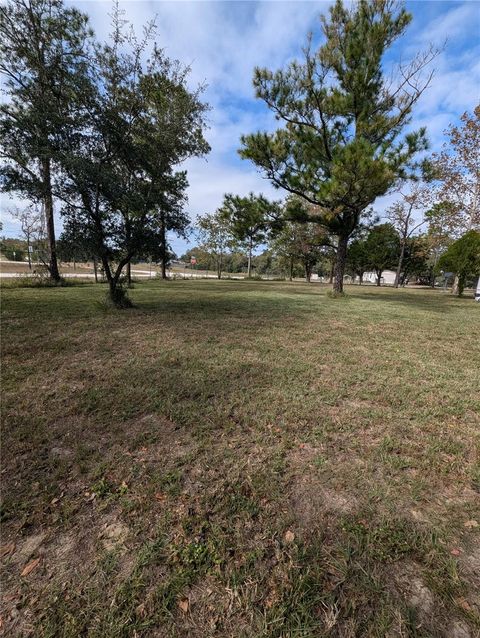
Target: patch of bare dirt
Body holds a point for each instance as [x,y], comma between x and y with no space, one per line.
[416,594]
[113,536]
[27,547]
[311,501]
[458,629]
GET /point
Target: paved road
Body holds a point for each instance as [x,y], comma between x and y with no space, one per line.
[136,273]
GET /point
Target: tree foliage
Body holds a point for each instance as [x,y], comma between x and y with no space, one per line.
[215,237]
[463,258]
[382,247]
[251,220]
[407,216]
[302,243]
[342,143]
[43,55]
[457,168]
[135,124]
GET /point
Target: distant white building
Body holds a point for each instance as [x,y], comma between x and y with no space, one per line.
[388,277]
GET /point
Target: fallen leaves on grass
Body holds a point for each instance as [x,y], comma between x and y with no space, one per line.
[183,605]
[29,567]
[461,602]
[289,536]
[6,550]
[471,524]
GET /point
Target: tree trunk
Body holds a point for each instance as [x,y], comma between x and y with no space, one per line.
[434,267]
[249,265]
[95,269]
[308,273]
[360,279]
[332,271]
[340,263]
[163,243]
[129,274]
[116,293]
[291,269]
[400,264]
[379,276]
[48,207]
[219,266]
[456,286]
[28,254]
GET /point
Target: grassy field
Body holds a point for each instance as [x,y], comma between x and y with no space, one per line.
[240,459]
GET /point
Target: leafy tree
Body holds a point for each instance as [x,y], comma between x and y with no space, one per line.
[250,220]
[462,258]
[215,237]
[43,48]
[136,123]
[406,216]
[416,259]
[203,258]
[439,233]
[31,226]
[76,243]
[236,261]
[301,242]
[382,247]
[457,167]
[357,259]
[169,215]
[341,146]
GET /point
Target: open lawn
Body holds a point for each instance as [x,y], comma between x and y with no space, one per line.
[240,459]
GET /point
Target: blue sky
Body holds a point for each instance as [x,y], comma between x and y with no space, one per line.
[223,41]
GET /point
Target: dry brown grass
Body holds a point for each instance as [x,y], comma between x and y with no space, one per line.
[240,459]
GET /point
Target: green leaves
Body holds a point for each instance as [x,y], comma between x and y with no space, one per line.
[463,258]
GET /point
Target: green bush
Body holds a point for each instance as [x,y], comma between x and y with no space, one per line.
[14,255]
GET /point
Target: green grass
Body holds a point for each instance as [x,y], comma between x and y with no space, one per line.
[251,459]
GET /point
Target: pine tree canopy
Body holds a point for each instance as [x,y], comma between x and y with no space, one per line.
[341,144]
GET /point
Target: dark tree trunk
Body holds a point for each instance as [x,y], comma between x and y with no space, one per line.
[461,281]
[129,274]
[379,276]
[28,253]
[360,279]
[340,263]
[95,269]
[249,265]
[49,220]
[117,295]
[308,273]
[400,264]
[163,246]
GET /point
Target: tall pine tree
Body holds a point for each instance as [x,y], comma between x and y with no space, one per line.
[341,145]
[43,56]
